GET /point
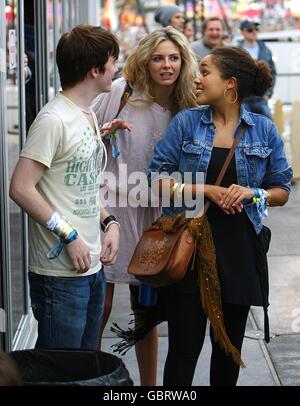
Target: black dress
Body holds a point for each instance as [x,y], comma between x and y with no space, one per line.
[235,242]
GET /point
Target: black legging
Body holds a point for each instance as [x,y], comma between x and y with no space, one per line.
[187,326]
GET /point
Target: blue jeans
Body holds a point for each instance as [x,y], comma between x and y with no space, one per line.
[68,310]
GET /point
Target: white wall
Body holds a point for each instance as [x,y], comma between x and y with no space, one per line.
[286,56]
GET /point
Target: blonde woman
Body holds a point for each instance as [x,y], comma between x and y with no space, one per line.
[160,73]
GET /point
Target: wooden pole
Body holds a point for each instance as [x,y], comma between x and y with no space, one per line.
[295,139]
[278,116]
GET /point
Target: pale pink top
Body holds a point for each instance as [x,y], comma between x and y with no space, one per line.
[149,121]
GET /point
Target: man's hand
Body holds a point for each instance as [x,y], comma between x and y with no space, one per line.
[79,255]
[114,125]
[111,244]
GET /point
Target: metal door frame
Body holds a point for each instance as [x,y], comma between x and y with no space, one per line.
[5,243]
[41,52]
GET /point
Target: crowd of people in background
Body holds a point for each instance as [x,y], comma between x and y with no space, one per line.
[271,20]
[213,34]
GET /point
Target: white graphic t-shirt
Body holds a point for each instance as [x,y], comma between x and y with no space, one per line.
[62,139]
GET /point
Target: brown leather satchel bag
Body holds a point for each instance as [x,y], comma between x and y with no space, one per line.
[162,258]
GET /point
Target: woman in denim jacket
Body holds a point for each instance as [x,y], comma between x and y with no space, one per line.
[198,140]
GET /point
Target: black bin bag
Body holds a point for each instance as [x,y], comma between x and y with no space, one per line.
[71,368]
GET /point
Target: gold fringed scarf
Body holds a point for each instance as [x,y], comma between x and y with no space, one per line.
[205,261]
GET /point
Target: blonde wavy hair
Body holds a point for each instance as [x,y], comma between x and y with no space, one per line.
[137,73]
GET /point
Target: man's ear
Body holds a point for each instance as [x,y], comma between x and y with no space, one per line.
[94,72]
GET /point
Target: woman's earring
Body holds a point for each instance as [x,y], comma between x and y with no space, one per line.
[235,94]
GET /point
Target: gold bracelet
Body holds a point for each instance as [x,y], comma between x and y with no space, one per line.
[179,191]
[268,199]
[173,189]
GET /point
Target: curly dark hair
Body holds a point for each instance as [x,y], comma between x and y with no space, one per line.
[253,77]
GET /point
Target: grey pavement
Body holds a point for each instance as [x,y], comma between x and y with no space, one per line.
[273,364]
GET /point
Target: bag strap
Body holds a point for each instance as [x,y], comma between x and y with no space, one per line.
[263,271]
[226,164]
[126,94]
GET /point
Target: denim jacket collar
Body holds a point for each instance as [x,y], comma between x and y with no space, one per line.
[244,115]
[207,116]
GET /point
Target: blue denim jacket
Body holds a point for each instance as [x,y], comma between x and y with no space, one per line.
[260,158]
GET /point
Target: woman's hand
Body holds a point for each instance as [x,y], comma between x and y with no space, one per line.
[114,125]
[234,196]
[217,195]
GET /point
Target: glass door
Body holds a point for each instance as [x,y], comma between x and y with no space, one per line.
[15,96]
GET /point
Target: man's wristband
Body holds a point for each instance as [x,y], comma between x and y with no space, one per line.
[64,230]
[71,237]
[60,226]
[108,221]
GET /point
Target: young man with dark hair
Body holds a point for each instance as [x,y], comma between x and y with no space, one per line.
[81,49]
[56,181]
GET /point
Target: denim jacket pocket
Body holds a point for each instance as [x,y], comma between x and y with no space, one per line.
[190,147]
[190,156]
[258,151]
[257,159]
